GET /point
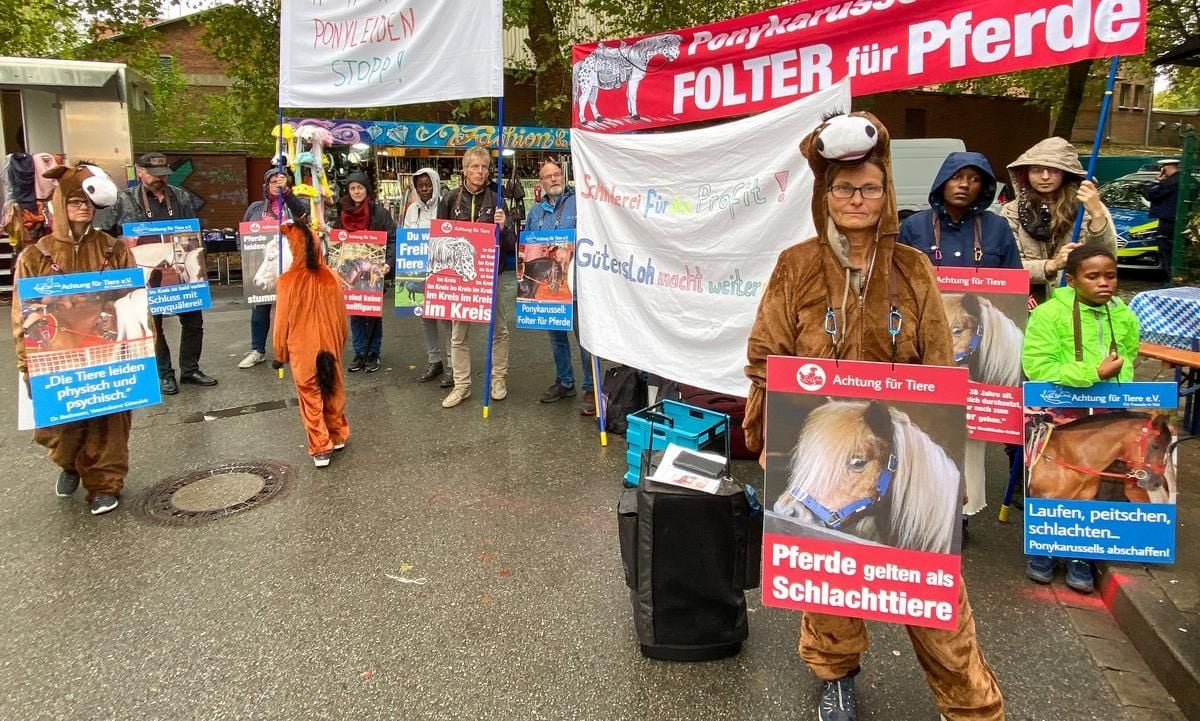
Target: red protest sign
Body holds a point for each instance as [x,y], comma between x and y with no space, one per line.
[986,309]
[359,258]
[863,489]
[462,271]
[761,61]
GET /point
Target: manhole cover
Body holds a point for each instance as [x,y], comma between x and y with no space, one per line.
[212,493]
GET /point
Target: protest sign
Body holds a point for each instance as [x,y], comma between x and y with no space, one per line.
[262,247]
[863,489]
[171,256]
[462,271]
[545,276]
[388,52]
[987,309]
[757,62]
[88,344]
[1101,471]
[359,259]
[673,252]
[412,263]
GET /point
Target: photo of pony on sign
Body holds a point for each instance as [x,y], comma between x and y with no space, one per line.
[265,255]
[545,275]
[987,310]
[757,62]
[1101,477]
[359,259]
[863,489]
[462,271]
[171,256]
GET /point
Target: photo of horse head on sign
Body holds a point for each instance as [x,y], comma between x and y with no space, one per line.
[865,471]
[986,340]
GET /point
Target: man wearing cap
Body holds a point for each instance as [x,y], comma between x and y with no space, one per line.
[1163,195]
[153,199]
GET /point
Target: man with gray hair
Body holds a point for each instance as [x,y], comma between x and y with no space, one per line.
[475,202]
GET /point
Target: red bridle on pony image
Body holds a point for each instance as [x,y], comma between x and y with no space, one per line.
[1070,460]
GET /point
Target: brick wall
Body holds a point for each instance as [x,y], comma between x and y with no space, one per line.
[1000,128]
[218,179]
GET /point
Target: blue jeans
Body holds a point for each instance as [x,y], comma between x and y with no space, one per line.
[366,334]
[260,325]
[564,373]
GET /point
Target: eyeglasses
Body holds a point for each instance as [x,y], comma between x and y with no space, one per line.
[551,176]
[78,204]
[868,192]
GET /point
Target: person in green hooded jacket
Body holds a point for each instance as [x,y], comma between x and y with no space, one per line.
[1083,335]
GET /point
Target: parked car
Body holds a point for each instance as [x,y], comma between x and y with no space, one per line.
[1136,229]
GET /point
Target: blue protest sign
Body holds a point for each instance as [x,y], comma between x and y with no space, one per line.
[1101,476]
[171,256]
[545,280]
[88,343]
[412,262]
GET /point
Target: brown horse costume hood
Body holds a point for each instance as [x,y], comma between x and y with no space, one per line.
[81,181]
[813,280]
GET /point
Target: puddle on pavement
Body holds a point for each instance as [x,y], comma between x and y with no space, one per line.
[246,410]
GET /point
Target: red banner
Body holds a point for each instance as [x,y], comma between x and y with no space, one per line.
[757,62]
[359,258]
[986,309]
[462,271]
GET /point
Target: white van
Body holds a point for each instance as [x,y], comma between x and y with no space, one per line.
[915,164]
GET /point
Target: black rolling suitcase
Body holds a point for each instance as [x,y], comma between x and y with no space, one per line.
[689,557]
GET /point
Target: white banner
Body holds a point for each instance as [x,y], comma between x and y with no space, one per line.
[678,234]
[347,54]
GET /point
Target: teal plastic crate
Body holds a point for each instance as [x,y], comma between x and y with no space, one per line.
[667,422]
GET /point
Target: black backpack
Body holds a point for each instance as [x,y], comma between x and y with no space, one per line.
[624,393]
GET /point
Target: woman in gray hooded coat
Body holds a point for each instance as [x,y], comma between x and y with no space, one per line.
[420,213]
[1050,185]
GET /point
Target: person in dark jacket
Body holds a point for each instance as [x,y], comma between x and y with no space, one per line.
[958,231]
[154,199]
[1163,195]
[359,211]
[475,202]
[958,215]
[278,204]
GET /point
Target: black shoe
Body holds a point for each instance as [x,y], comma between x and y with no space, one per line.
[197,377]
[447,380]
[168,384]
[372,364]
[357,364]
[67,484]
[433,370]
[837,701]
[104,504]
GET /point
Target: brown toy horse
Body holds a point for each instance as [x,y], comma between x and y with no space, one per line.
[1133,447]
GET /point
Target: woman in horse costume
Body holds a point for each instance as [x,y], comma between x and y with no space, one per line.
[94,450]
[1083,335]
[310,330]
[855,271]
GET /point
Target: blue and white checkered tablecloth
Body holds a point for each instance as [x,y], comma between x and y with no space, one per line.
[1169,317]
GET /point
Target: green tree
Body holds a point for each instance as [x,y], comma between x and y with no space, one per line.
[34,28]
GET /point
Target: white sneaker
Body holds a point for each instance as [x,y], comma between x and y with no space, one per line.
[499,389]
[252,359]
[322,459]
[458,395]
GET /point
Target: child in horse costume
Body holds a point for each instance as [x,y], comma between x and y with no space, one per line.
[862,257]
[94,450]
[1083,335]
[310,330]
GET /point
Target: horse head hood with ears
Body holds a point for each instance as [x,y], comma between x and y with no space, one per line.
[304,247]
[848,140]
[82,180]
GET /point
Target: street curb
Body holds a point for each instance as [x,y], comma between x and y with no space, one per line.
[1153,625]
